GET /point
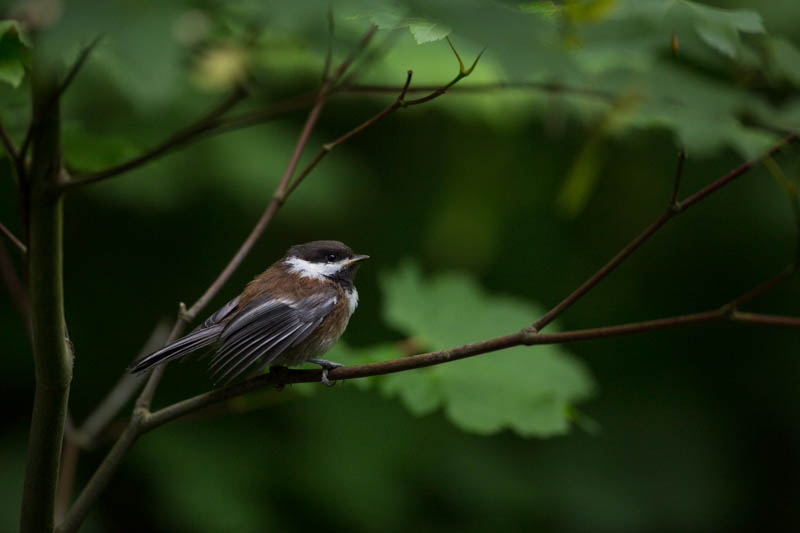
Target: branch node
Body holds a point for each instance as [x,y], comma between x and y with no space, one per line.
[183,313]
[328,147]
[279,197]
[528,334]
[140,416]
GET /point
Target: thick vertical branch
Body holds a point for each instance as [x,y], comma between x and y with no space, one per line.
[51,354]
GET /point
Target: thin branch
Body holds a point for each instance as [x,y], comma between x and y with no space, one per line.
[483,88]
[525,337]
[399,102]
[678,175]
[87,435]
[101,478]
[735,173]
[208,122]
[14,240]
[62,87]
[673,209]
[760,319]
[358,50]
[328,147]
[8,143]
[16,289]
[145,398]
[105,471]
[783,275]
[76,67]
[604,271]
[274,204]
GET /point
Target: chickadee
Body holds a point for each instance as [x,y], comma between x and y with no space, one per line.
[291,313]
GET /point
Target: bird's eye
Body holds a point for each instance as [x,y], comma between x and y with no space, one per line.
[331,258]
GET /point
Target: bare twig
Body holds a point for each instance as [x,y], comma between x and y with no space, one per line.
[733,174]
[104,472]
[328,147]
[62,87]
[525,337]
[16,289]
[208,122]
[761,319]
[399,102]
[678,176]
[482,88]
[673,209]
[76,67]
[13,238]
[87,435]
[8,143]
[783,275]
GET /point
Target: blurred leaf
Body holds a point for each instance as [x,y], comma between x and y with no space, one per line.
[526,389]
[425,31]
[13,52]
[582,177]
[720,28]
[543,8]
[15,28]
[588,10]
[785,59]
[87,151]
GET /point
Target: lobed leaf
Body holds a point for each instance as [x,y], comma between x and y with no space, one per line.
[528,390]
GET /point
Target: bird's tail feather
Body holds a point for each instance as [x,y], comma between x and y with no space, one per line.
[195,340]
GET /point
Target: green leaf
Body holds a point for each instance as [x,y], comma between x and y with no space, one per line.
[528,390]
[15,28]
[13,52]
[543,8]
[785,59]
[582,178]
[426,31]
[720,28]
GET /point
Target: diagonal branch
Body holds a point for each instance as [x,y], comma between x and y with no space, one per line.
[673,209]
[105,471]
[207,122]
[14,240]
[399,102]
[550,87]
[280,377]
[525,337]
[8,143]
[62,87]
[16,290]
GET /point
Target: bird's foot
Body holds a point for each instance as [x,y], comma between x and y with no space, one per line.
[326,365]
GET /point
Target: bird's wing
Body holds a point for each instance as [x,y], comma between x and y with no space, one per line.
[202,336]
[263,329]
[221,314]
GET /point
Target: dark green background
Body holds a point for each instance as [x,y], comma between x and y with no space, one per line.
[699,425]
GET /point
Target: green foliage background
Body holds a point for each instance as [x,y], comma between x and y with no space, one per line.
[480,211]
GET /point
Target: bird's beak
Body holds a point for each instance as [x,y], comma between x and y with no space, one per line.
[356,259]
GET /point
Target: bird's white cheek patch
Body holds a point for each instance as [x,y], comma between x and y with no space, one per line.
[314,270]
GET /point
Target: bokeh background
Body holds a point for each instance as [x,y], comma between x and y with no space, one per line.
[525,192]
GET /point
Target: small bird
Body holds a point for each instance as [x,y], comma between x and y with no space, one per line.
[289,314]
